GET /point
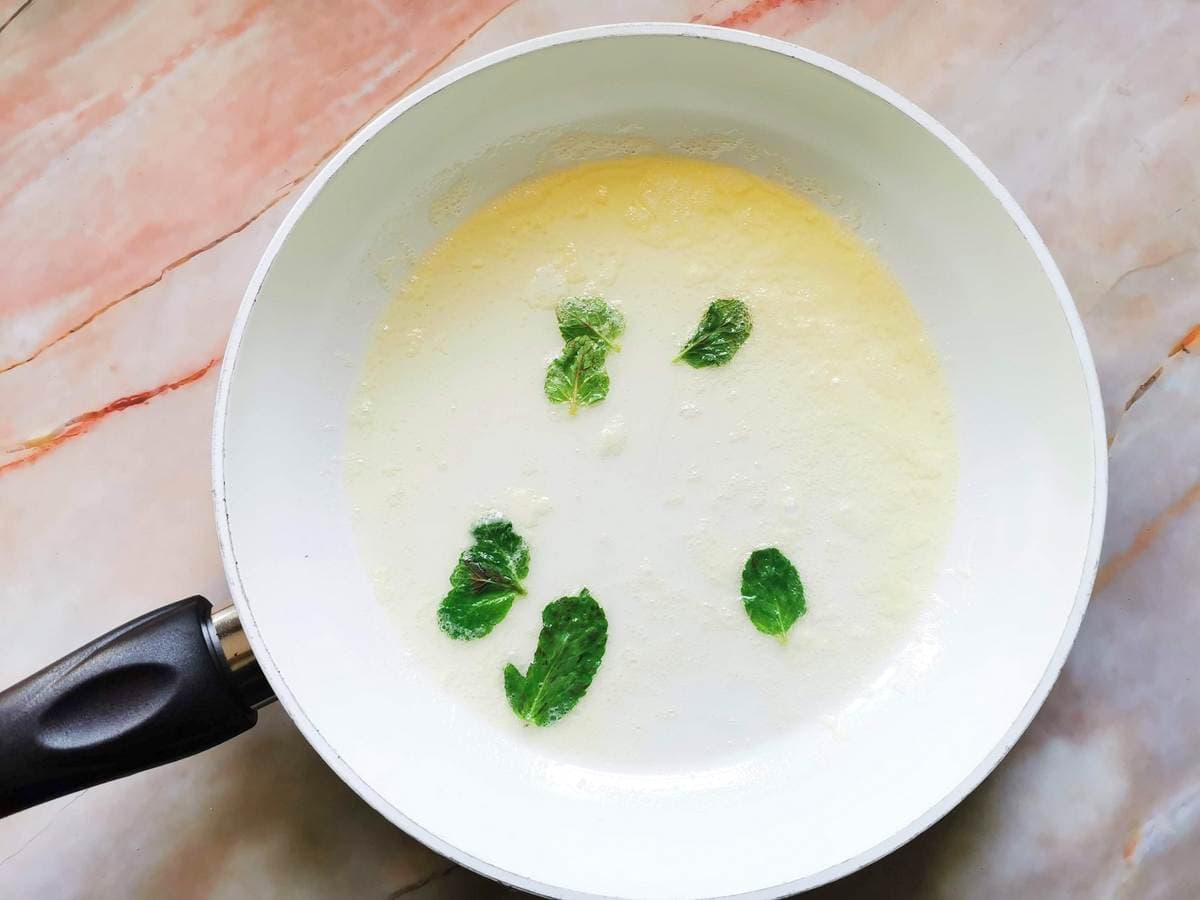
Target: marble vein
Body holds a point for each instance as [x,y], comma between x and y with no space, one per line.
[37,834]
[37,447]
[750,14]
[281,193]
[421,883]
[129,295]
[111,112]
[1183,345]
[1150,266]
[16,12]
[1121,560]
[150,185]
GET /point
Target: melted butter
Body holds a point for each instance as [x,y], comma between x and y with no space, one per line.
[828,436]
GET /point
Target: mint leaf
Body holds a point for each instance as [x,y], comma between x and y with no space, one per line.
[590,317]
[485,582]
[578,377]
[723,329]
[772,592]
[569,651]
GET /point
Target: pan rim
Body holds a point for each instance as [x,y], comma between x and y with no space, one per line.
[1017,727]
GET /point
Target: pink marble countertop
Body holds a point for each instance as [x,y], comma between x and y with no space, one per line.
[148,151]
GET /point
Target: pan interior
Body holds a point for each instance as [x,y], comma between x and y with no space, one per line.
[827,789]
[829,435]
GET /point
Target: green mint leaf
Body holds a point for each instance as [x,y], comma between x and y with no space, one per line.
[578,377]
[772,592]
[723,329]
[569,650]
[590,317]
[485,582]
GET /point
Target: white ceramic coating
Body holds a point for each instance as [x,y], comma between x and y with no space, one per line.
[1022,552]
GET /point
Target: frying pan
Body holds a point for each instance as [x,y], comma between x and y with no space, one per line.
[306,627]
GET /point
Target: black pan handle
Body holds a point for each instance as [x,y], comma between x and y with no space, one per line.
[152,691]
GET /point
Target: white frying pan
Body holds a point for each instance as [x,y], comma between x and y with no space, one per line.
[792,813]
